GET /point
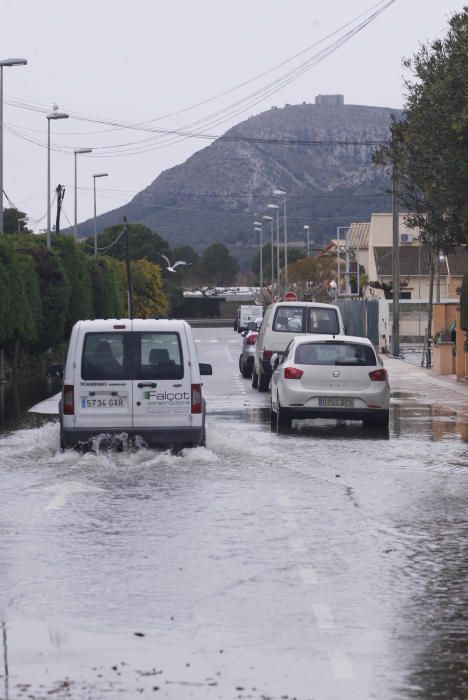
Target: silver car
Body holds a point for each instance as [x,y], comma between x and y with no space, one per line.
[246,358]
[330,376]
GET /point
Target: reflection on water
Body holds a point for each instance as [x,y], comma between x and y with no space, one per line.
[18,397]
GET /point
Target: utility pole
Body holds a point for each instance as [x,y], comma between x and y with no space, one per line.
[129,274]
[396,262]
[60,195]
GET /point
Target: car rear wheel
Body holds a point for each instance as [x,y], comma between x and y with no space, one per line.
[254,378]
[273,420]
[380,421]
[283,419]
[263,381]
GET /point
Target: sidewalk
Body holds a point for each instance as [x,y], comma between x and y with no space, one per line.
[426,387]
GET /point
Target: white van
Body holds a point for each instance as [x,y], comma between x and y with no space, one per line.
[284,320]
[248,313]
[136,377]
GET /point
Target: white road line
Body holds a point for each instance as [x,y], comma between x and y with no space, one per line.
[308,575]
[297,544]
[284,501]
[228,354]
[341,663]
[323,616]
[290,519]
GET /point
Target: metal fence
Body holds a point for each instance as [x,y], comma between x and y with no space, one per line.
[361,318]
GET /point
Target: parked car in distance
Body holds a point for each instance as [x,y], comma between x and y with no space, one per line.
[284,320]
[246,358]
[137,377]
[329,377]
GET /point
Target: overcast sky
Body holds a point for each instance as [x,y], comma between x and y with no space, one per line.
[132,62]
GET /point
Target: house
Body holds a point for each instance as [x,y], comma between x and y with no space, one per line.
[371,244]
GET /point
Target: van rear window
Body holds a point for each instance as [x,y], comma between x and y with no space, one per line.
[322,320]
[158,356]
[131,356]
[104,357]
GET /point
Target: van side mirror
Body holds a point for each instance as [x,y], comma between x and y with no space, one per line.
[55,371]
[205,368]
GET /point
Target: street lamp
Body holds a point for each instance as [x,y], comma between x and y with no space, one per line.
[94,191]
[282,193]
[259,227]
[278,291]
[270,219]
[76,153]
[306,229]
[53,115]
[6,63]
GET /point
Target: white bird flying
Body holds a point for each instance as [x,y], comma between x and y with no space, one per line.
[172,268]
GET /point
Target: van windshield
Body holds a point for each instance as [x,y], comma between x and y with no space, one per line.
[322,320]
[130,356]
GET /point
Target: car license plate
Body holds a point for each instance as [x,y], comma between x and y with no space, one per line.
[104,402]
[336,403]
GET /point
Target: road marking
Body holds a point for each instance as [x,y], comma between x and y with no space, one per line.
[63,491]
[342,667]
[290,519]
[228,354]
[308,575]
[323,616]
[284,501]
[297,543]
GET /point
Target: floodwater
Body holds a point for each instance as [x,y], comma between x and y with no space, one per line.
[328,563]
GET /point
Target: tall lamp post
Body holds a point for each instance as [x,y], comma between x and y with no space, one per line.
[259,228]
[306,229]
[94,193]
[282,193]
[278,290]
[270,219]
[53,115]
[5,63]
[76,153]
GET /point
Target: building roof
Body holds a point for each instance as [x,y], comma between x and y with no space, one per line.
[359,234]
[414,261]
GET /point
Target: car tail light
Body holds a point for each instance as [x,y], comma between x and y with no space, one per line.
[267,354]
[68,400]
[196,398]
[292,373]
[251,339]
[378,375]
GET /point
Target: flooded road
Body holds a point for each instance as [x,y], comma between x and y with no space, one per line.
[329,563]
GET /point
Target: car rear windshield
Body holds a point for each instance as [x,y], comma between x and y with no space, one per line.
[335,353]
[130,356]
[300,319]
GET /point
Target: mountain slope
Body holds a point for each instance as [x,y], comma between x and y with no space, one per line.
[216,192]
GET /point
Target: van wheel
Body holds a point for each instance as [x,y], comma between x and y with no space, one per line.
[254,378]
[284,420]
[202,442]
[63,445]
[263,381]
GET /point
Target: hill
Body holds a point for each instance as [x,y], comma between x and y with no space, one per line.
[320,154]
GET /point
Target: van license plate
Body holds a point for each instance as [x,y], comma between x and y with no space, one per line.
[337,403]
[107,402]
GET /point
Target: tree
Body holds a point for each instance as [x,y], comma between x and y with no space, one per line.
[294,254]
[75,263]
[108,285]
[142,243]
[310,276]
[148,298]
[429,148]
[217,267]
[14,221]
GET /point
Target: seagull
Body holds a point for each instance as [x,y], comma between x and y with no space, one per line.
[172,268]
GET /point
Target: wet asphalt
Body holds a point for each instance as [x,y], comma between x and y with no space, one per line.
[328,563]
